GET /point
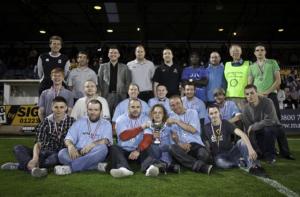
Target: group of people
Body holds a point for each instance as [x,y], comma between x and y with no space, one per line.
[289,92]
[163,118]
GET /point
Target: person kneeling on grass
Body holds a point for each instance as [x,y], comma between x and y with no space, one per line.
[87,142]
[225,154]
[50,134]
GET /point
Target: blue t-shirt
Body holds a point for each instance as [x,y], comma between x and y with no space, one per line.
[215,80]
[195,104]
[123,123]
[198,73]
[189,117]
[165,103]
[81,135]
[122,108]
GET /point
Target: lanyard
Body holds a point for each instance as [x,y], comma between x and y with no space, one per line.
[133,123]
[93,134]
[217,133]
[55,91]
[58,131]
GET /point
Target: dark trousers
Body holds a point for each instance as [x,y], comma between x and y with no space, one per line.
[273,97]
[279,132]
[263,142]
[195,159]
[282,142]
[146,95]
[24,154]
[118,157]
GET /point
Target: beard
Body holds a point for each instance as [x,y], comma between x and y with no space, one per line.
[94,119]
[134,115]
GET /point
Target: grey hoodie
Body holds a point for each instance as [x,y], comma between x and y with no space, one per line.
[260,116]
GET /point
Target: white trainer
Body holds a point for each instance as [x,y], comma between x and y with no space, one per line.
[39,172]
[62,170]
[120,172]
[10,166]
[101,167]
[152,171]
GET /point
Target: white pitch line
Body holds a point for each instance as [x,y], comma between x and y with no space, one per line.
[279,187]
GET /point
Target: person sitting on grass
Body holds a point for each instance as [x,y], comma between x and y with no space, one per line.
[225,153]
[188,150]
[134,139]
[50,134]
[159,159]
[87,142]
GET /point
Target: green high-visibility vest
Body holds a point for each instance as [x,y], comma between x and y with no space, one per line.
[237,79]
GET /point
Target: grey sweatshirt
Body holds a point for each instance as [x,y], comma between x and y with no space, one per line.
[260,116]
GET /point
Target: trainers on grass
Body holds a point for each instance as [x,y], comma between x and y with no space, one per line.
[101,167]
[10,166]
[258,171]
[120,172]
[174,168]
[39,172]
[62,170]
[206,169]
[152,171]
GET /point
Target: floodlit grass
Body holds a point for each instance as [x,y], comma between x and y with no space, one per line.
[233,182]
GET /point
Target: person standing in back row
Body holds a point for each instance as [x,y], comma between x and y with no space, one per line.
[114,79]
[198,75]
[78,76]
[48,61]
[236,75]
[142,71]
[168,74]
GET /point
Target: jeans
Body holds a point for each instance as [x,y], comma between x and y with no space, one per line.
[85,162]
[24,154]
[230,159]
[160,152]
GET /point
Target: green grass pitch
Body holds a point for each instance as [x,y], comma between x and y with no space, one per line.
[234,182]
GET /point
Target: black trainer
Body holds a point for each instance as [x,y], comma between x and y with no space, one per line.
[271,161]
[174,168]
[289,157]
[162,167]
[258,171]
[206,169]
